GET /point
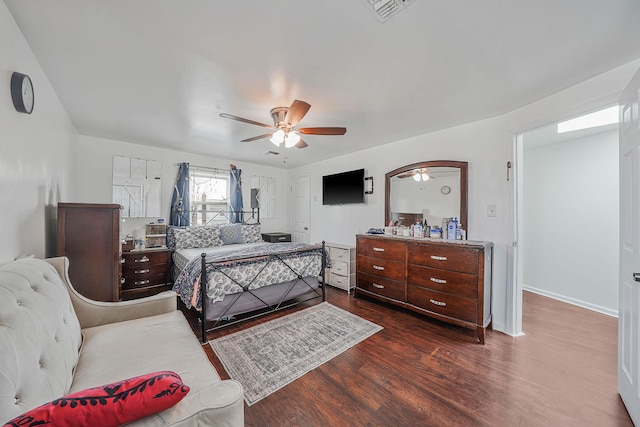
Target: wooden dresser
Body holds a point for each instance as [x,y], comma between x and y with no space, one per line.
[447,280]
[89,235]
[145,272]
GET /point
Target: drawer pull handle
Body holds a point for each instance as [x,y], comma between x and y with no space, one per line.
[121,260]
[146,270]
[375,285]
[378,249]
[434,280]
[377,267]
[143,259]
[141,282]
[439,258]
[440,303]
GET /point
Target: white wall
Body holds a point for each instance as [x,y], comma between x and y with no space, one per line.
[35,152]
[94,167]
[571,217]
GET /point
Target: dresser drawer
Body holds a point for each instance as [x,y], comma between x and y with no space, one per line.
[464,309]
[445,257]
[143,270]
[381,267]
[388,249]
[145,258]
[339,267]
[451,282]
[381,286]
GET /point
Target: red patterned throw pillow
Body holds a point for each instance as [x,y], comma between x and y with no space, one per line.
[109,405]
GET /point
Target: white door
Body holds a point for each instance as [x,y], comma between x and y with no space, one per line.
[629,318]
[300,193]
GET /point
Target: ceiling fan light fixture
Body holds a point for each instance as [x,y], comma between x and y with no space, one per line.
[425,177]
[277,137]
[291,139]
[416,177]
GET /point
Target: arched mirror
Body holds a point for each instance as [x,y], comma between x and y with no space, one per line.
[427,190]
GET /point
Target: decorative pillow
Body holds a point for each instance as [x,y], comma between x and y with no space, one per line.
[202,236]
[172,230]
[110,405]
[231,234]
[251,233]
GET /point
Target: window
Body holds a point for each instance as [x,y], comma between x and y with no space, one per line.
[208,196]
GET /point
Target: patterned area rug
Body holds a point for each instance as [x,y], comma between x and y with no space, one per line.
[265,358]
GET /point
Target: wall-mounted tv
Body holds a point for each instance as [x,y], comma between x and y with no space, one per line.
[343,188]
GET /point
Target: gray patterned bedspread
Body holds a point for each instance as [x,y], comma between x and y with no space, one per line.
[238,268]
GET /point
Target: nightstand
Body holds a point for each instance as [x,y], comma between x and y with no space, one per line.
[145,272]
[276,237]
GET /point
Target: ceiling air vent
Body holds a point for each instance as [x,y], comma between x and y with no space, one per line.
[271,153]
[383,9]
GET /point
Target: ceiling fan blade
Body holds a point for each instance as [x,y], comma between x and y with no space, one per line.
[323,131]
[255,138]
[301,144]
[405,175]
[296,112]
[243,120]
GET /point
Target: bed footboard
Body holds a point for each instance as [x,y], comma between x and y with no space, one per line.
[290,294]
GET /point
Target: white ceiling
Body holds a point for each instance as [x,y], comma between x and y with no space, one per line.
[159,72]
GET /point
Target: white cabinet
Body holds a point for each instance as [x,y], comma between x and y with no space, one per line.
[342,273]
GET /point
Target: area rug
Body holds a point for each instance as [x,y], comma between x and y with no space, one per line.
[266,357]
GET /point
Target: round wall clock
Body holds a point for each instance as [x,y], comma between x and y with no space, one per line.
[22,92]
[445,189]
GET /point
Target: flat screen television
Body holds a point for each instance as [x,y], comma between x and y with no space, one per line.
[343,188]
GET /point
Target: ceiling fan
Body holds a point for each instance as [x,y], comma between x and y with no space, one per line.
[284,121]
[421,174]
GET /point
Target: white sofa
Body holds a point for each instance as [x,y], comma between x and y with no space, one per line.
[54,341]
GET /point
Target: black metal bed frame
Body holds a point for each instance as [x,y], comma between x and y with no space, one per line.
[268,308]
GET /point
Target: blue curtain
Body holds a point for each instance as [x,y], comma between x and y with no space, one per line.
[180,199]
[235,214]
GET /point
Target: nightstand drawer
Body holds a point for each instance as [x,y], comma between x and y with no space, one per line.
[134,258]
[339,267]
[143,281]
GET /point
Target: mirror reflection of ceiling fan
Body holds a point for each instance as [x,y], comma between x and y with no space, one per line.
[285,120]
[421,174]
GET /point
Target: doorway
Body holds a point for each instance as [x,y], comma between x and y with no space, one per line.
[567,205]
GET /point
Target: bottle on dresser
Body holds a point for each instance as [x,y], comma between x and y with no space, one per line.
[451,229]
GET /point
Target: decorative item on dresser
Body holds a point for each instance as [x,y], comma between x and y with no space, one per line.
[342,273]
[145,273]
[447,280]
[89,235]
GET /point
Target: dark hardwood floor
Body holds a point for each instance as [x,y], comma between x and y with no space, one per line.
[421,372]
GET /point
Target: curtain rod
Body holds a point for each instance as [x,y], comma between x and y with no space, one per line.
[203,168]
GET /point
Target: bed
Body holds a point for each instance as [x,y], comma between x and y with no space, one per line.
[228,274]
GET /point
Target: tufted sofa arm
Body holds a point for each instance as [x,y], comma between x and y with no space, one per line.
[96,313]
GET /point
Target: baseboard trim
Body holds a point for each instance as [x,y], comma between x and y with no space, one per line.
[572,301]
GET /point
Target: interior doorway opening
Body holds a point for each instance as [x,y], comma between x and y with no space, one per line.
[567,216]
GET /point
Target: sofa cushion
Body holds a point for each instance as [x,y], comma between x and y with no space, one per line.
[111,404]
[156,343]
[40,336]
